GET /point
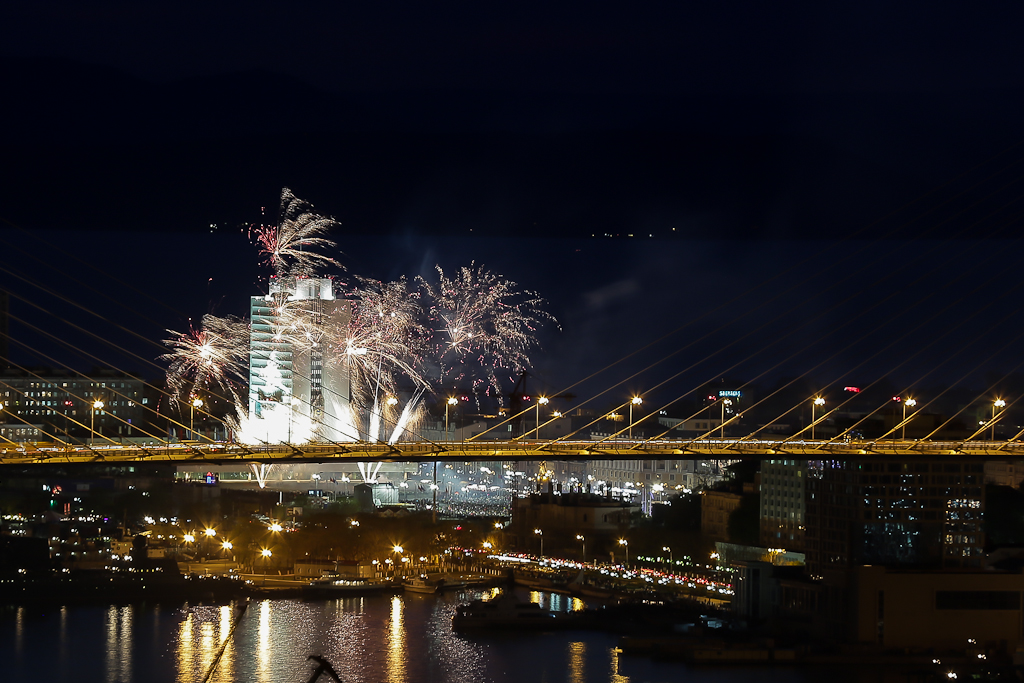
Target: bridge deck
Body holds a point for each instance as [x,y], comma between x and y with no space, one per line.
[719,449]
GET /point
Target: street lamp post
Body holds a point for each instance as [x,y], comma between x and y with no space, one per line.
[452,401]
[818,401]
[96,405]
[725,402]
[581,539]
[635,401]
[625,544]
[909,402]
[999,403]
[541,401]
[196,403]
[266,556]
[669,551]
[541,534]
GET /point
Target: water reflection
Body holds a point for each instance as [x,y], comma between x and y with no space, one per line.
[396,643]
[119,643]
[263,645]
[613,670]
[184,651]
[577,662]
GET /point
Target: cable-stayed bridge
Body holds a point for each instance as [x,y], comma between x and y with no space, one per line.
[717,449]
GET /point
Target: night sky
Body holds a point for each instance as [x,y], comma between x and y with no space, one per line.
[794,189]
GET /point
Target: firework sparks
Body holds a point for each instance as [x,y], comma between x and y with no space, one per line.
[290,247]
[388,339]
[479,317]
[215,354]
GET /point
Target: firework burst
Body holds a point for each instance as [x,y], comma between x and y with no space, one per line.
[384,339]
[215,354]
[481,325]
[290,247]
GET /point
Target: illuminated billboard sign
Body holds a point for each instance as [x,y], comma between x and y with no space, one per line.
[730,393]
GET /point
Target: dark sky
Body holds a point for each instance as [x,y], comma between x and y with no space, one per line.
[812,189]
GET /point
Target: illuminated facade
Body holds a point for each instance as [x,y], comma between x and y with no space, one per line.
[294,393]
[924,513]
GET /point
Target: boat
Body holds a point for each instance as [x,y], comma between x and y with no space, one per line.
[339,587]
[421,584]
[582,587]
[507,612]
[469,581]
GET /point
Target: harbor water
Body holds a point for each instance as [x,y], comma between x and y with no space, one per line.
[404,638]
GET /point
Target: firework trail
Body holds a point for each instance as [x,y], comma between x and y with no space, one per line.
[410,415]
[217,353]
[481,324]
[290,247]
[383,341]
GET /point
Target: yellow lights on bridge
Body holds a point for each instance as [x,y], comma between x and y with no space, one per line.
[97,404]
[636,400]
[211,532]
[543,400]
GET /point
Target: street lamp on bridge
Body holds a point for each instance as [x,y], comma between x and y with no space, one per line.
[635,401]
[909,402]
[818,401]
[581,539]
[96,405]
[541,534]
[452,401]
[196,403]
[541,401]
[999,403]
[725,402]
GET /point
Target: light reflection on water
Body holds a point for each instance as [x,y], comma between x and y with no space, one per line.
[377,639]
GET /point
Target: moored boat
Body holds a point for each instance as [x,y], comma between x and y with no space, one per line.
[504,612]
[335,586]
[421,584]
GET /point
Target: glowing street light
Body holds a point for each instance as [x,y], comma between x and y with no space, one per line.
[541,401]
[196,403]
[725,402]
[818,401]
[275,527]
[999,403]
[188,538]
[210,532]
[581,539]
[541,534]
[625,544]
[635,401]
[227,545]
[909,402]
[266,557]
[391,401]
[452,401]
[96,405]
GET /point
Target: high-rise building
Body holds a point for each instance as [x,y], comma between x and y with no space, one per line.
[295,392]
[783,504]
[893,512]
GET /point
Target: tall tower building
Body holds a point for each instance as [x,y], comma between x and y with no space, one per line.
[295,393]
